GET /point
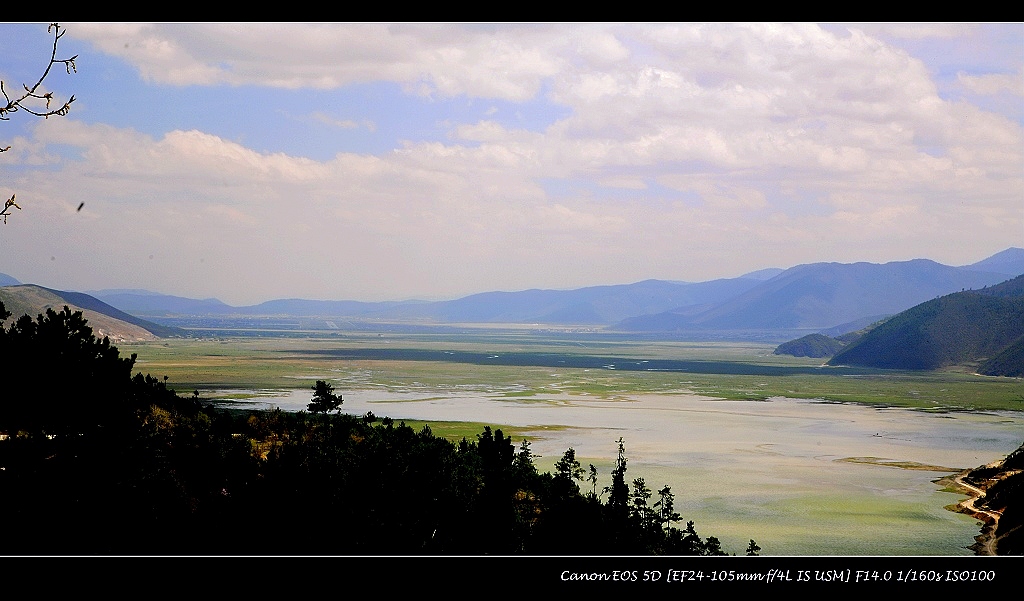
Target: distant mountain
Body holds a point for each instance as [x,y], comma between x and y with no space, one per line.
[28,299]
[763,274]
[6,280]
[151,304]
[818,296]
[598,305]
[985,326]
[827,298]
[1009,262]
[304,308]
[591,305]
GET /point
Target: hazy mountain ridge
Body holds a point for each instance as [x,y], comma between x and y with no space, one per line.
[1008,261]
[819,296]
[829,298]
[590,305]
[143,302]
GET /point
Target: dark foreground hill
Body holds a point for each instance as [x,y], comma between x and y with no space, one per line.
[999,507]
[983,327]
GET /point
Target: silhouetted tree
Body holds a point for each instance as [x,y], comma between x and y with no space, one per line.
[496,494]
[639,509]
[617,506]
[691,542]
[618,492]
[54,368]
[712,546]
[667,515]
[592,478]
[523,468]
[324,400]
[568,467]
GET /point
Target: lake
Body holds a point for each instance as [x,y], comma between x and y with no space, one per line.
[800,477]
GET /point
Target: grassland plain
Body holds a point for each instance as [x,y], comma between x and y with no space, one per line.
[521,365]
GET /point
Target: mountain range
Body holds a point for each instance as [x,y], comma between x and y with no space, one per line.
[819,297]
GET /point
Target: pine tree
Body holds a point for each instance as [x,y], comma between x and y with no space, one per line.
[324,399]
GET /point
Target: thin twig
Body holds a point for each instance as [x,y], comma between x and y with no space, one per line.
[30,92]
[15,105]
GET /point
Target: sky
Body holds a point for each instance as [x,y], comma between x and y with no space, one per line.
[249,162]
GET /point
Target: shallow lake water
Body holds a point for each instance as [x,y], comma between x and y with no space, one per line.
[800,477]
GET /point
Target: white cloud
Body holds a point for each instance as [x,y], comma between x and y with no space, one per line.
[444,59]
[917,31]
[774,136]
[993,83]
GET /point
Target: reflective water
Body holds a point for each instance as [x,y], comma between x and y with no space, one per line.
[776,471]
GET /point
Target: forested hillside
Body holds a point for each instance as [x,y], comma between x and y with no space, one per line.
[960,328]
[1009,362]
[811,345]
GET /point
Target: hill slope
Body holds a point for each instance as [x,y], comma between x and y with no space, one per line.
[960,328]
[28,299]
[811,345]
[1009,362]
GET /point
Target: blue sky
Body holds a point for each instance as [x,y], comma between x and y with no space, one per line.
[390,161]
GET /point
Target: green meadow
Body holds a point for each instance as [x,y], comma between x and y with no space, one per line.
[541,365]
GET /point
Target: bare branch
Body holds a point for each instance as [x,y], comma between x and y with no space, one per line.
[8,205]
[31,94]
[17,104]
